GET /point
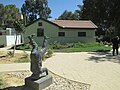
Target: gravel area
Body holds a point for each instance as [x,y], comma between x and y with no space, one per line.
[59,83]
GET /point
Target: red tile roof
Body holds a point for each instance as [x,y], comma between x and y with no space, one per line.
[74,23]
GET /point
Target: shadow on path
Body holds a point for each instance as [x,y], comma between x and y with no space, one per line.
[17,88]
[102,57]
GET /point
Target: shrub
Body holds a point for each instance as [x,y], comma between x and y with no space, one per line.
[57,45]
[69,45]
[1,46]
[25,55]
[88,47]
[77,45]
[24,60]
[106,38]
[49,53]
[23,47]
[10,53]
[1,82]
[27,46]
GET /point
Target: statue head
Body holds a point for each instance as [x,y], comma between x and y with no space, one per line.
[32,42]
[45,37]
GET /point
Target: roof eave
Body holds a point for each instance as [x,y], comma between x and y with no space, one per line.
[44,20]
[76,28]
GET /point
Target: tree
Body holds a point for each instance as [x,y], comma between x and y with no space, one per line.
[19,29]
[8,15]
[68,15]
[43,9]
[32,9]
[63,15]
[114,11]
[104,13]
[77,13]
[10,12]
[1,14]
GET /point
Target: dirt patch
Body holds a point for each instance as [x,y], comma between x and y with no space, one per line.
[5,58]
[15,81]
[10,79]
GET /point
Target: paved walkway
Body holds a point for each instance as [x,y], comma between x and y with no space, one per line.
[100,70]
[14,67]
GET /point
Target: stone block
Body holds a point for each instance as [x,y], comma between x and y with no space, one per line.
[40,83]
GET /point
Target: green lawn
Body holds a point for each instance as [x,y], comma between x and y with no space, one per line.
[23,60]
[87,49]
[82,47]
[74,47]
[1,82]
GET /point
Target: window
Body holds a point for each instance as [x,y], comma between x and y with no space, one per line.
[0,33]
[61,34]
[81,34]
[40,32]
[39,23]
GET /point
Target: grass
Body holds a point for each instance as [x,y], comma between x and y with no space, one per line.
[23,60]
[74,47]
[24,47]
[87,49]
[90,47]
[1,82]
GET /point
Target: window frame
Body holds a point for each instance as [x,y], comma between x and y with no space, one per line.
[40,24]
[81,34]
[40,32]
[61,34]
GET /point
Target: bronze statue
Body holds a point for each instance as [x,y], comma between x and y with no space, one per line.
[36,58]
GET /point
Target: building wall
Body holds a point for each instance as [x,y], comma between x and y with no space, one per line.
[71,35]
[10,31]
[50,30]
[10,39]
[3,40]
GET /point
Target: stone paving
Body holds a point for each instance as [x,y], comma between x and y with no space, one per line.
[101,70]
[14,67]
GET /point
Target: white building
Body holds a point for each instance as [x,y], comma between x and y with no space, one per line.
[8,37]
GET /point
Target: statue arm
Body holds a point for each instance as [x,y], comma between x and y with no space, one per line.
[44,46]
[30,37]
[32,42]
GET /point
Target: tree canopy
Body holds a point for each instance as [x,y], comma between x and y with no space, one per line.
[32,9]
[68,15]
[8,14]
[104,13]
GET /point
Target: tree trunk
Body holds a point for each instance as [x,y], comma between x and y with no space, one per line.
[15,45]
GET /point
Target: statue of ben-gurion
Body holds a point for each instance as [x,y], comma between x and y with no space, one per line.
[36,58]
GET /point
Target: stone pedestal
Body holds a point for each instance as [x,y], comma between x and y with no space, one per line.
[40,83]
